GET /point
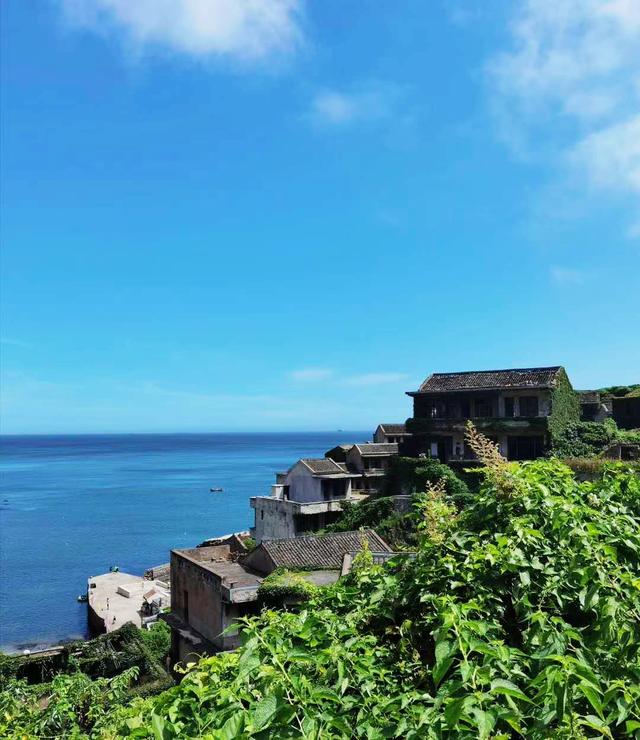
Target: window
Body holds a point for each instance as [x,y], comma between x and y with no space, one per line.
[483,407]
[509,409]
[529,406]
[185,604]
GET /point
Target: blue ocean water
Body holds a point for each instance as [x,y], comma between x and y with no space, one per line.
[72,506]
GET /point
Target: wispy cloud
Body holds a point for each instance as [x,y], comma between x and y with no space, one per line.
[342,108]
[243,29]
[566,276]
[10,342]
[321,374]
[370,379]
[311,374]
[569,88]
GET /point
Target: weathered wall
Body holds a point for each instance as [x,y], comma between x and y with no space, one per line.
[273,520]
[204,597]
[303,487]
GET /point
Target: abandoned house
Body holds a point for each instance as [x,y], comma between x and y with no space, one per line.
[309,495]
[391,433]
[214,586]
[511,407]
[304,499]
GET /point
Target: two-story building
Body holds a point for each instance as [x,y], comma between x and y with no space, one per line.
[304,499]
[512,407]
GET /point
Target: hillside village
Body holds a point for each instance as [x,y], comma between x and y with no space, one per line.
[393,518]
[527,412]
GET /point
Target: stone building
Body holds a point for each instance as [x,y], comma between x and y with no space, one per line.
[512,407]
[214,586]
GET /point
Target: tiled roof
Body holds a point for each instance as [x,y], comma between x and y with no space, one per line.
[322,465]
[377,448]
[532,377]
[321,551]
[393,428]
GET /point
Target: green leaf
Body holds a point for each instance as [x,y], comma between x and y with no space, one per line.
[592,696]
[453,711]
[502,686]
[484,722]
[232,728]
[263,712]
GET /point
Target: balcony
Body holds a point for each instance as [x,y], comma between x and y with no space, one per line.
[491,425]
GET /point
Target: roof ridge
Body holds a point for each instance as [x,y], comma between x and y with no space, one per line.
[499,370]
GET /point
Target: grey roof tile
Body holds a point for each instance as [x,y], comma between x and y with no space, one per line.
[321,551]
[533,377]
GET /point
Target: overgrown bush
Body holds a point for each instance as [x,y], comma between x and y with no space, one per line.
[414,475]
[158,640]
[285,586]
[519,616]
[591,438]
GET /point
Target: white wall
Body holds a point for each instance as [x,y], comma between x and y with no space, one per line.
[303,487]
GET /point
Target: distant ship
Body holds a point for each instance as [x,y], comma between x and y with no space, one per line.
[216,490]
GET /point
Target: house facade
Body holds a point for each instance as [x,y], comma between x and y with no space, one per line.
[512,407]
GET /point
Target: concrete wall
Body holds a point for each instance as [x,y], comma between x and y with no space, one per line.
[205,612]
[274,519]
[303,487]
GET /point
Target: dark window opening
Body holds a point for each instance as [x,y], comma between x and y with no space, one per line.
[185,604]
[525,448]
[482,408]
[509,409]
[529,406]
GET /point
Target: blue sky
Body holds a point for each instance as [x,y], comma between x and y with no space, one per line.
[238,215]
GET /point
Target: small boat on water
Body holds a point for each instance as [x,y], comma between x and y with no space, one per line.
[216,490]
[83,598]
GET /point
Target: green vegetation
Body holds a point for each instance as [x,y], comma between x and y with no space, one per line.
[395,528]
[412,475]
[285,587]
[519,616]
[565,408]
[622,390]
[158,640]
[591,438]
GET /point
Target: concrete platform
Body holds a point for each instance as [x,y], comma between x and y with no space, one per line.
[115,599]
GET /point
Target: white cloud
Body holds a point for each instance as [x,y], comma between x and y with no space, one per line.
[369,379]
[245,29]
[610,157]
[566,276]
[335,108]
[311,374]
[569,88]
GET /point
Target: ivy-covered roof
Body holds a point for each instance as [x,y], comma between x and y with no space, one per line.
[516,378]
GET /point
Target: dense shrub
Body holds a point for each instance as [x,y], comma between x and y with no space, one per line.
[591,438]
[158,640]
[413,475]
[517,617]
[285,586]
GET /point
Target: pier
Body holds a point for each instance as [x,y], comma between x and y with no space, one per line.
[117,598]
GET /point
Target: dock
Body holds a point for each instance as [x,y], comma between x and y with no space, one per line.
[117,598]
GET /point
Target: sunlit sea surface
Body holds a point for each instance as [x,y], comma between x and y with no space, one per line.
[72,506]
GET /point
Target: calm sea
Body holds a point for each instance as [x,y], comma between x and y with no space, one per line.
[72,506]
